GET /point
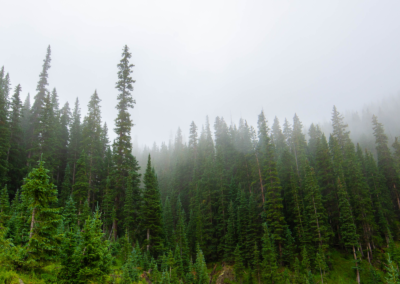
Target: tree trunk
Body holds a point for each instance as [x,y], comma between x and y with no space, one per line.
[32,222]
[358,272]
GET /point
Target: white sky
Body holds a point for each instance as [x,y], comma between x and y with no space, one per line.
[198,58]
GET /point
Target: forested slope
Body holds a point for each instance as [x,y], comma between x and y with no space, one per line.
[251,204]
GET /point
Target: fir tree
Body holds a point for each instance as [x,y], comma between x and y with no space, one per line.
[393,276]
[74,150]
[151,211]
[132,201]
[40,195]
[316,216]
[4,205]
[122,147]
[69,214]
[347,226]
[274,206]
[269,270]
[91,260]
[36,127]
[81,185]
[200,268]
[385,160]
[16,150]
[91,143]
[239,267]
[4,127]
[230,235]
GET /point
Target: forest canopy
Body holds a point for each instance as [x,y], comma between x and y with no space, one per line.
[271,203]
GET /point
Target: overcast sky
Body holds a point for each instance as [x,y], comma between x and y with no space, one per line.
[198,58]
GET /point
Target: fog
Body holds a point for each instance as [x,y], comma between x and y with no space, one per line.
[215,58]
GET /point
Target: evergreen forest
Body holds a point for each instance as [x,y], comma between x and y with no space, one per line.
[275,203]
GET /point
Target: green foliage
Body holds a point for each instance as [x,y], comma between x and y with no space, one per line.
[200,268]
[151,211]
[40,196]
[239,267]
[88,256]
[269,266]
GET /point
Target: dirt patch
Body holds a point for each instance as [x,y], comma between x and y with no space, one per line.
[226,274]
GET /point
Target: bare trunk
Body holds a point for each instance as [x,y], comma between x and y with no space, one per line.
[322,278]
[358,272]
[370,249]
[32,222]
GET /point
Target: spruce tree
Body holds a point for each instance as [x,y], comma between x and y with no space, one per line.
[91,143]
[347,226]
[132,201]
[16,150]
[4,126]
[69,214]
[151,212]
[274,205]
[230,235]
[81,185]
[316,215]
[40,196]
[269,266]
[200,268]
[122,147]
[74,150]
[239,267]
[91,259]
[36,127]
[385,160]
[4,205]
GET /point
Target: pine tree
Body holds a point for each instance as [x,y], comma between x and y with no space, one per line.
[4,205]
[74,150]
[40,196]
[393,276]
[168,221]
[347,226]
[201,268]
[289,247]
[256,263]
[91,143]
[130,270]
[122,147]
[320,264]
[299,146]
[91,259]
[16,151]
[151,211]
[385,160]
[69,214]
[36,127]
[66,186]
[81,185]
[132,201]
[269,268]
[316,216]
[239,267]
[326,181]
[274,206]
[230,235]
[4,126]
[339,129]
